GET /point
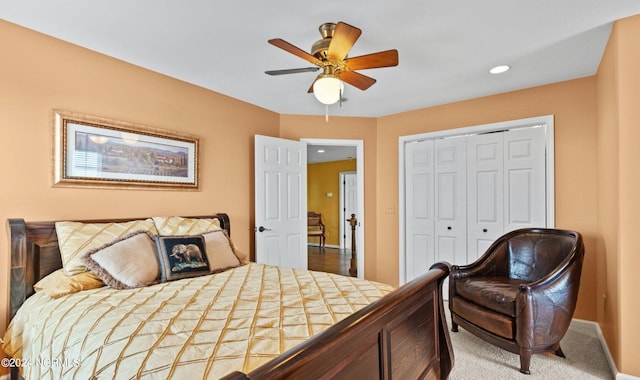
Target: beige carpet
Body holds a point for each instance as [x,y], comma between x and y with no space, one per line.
[585,359]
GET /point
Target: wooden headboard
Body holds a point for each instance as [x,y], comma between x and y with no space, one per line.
[35,253]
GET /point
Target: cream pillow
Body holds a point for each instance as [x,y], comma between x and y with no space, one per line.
[126,263]
[220,251]
[58,283]
[75,239]
[179,226]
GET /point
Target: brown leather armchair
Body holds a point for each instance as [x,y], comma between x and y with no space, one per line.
[521,294]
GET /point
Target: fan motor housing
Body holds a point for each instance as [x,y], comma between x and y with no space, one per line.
[319,48]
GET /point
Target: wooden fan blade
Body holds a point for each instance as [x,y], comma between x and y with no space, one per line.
[292,71]
[284,45]
[356,79]
[386,58]
[343,39]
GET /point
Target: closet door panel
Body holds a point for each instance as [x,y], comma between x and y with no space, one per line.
[450,199]
[485,162]
[419,188]
[524,167]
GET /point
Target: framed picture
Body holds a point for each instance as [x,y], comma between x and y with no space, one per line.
[90,151]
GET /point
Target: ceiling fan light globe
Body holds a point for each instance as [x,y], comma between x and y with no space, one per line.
[328,90]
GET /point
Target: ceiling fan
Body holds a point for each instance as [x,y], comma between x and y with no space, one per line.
[330,55]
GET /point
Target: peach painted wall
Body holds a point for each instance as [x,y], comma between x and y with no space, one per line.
[38,73]
[629,191]
[295,127]
[619,186]
[573,105]
[607,251]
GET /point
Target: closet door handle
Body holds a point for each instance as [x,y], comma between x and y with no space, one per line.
[484,230]
[449,228]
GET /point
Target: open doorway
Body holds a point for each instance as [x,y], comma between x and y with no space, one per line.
[329,163]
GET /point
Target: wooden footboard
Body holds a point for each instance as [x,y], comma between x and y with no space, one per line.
[403,335]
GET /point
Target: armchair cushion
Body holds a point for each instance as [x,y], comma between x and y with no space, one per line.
[496,323]
[315,230]
[494,293]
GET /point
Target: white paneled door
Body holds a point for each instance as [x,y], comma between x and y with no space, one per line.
[450,200]
[281,202]
[486,192]
[525,178]
[420,224]
[506,174]
[349,204]
[462,192]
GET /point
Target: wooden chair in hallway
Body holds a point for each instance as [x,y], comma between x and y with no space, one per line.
[315,227]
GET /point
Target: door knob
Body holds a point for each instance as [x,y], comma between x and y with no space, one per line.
[484,230]
[262,229]
[449,228]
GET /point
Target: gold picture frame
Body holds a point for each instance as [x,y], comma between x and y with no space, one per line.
[95,152]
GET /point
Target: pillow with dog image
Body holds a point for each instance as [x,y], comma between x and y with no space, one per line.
[181,257]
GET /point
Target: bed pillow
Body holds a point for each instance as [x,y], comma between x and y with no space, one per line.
[243,257]
[58,283]
[126,263]
[226,243]
[220,251]
[181,257]
[179,226]
[75,239]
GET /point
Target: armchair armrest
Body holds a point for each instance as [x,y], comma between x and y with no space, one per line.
[554,299]
[492,263]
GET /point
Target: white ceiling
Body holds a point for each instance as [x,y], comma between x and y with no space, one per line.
[327,153]
[445,47]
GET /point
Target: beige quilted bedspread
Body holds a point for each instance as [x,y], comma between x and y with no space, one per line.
[202,327]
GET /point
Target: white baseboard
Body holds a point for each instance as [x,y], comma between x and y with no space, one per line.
[605,348]
[622,376]
[318,245]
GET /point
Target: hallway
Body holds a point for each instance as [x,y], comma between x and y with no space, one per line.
[332,260]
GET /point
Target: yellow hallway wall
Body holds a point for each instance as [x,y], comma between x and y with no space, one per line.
[324,178]
[38,73]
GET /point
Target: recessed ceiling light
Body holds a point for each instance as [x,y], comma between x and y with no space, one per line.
[499,69]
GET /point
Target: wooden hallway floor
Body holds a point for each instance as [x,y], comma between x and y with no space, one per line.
[331,260]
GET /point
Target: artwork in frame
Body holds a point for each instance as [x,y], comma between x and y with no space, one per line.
[91,151]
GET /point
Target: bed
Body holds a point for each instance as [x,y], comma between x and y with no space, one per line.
[324,326]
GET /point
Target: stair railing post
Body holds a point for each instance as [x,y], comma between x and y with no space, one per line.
[353,270]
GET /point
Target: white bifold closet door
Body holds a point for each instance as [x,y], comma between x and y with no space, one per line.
[506,173]
[464,192]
